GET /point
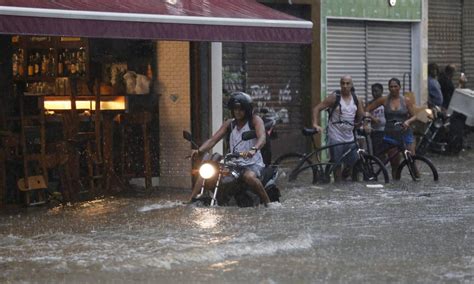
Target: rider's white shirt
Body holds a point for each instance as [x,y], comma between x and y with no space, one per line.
[235,138]
[346,112]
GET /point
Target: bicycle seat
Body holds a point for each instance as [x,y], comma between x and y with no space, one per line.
[309,131]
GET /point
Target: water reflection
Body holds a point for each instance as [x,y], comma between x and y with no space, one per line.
[206,218]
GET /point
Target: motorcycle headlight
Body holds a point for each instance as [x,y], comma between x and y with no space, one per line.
[207,171]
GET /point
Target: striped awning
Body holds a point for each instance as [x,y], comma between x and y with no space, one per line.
[189,20]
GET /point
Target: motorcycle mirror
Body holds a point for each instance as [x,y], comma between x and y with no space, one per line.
[187,135]
[248,135]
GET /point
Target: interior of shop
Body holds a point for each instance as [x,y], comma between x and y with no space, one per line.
[78,117]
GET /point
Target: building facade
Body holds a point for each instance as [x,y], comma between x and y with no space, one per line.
[451,36]
[373,41]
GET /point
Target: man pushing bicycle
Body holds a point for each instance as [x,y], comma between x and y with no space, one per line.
[345,110]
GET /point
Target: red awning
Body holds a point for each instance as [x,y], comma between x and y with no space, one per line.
[190,20]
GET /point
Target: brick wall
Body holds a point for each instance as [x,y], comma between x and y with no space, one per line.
[175,113]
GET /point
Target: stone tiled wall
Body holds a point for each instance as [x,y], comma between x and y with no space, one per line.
[175,113]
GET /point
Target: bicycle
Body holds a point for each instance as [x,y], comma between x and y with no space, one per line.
[300,166]
[418,166]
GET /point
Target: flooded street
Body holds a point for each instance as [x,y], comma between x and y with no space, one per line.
[403,232]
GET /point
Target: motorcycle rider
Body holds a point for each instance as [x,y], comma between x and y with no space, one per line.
[240,105]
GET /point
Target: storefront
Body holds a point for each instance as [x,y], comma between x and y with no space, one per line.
[72,52]
[277,76]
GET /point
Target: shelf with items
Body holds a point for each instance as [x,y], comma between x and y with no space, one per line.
[40,61]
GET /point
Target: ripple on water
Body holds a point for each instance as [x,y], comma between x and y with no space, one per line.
[163,205]
[120,254]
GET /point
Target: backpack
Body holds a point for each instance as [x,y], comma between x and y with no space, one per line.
[338,103]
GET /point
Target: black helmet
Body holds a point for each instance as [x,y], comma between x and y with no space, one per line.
[242,100]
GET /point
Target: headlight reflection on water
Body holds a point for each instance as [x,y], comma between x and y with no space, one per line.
[206,219]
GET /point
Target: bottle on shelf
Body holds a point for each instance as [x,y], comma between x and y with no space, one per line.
[51,63]
[67,63]
[15,64]
[149,72]
[52,67]
[37,64]
[21,61]
[31,68]
[73,64]
[61,65]
[44,65]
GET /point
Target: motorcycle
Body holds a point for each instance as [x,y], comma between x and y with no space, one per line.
[221,177]
[433,138]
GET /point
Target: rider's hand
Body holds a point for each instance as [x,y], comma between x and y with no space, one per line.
[249,154]
[194,153]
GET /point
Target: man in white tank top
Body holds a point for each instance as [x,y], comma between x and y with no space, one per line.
[346,111]
[240,104]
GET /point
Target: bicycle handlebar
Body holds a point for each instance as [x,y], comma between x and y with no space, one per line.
[309,131]
[396,122]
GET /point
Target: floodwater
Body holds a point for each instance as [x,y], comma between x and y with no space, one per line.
[403,232]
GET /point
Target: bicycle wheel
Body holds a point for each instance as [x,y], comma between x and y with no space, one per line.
[370,170]
[421,169]
[288,163]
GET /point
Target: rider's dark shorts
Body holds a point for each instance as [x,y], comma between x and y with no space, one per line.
[337,152]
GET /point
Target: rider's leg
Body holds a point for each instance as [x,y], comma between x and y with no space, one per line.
[250,178]
[335,154]
[349,161]
[196,188]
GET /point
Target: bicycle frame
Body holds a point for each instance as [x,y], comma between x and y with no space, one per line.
[401,148]
[333,165]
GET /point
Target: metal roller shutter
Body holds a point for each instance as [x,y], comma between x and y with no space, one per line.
[233,66]
[277,77]
[274,75]
[371,52]
[346,54]
[468,35]
[445,32]
[275,80]
[388,54]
